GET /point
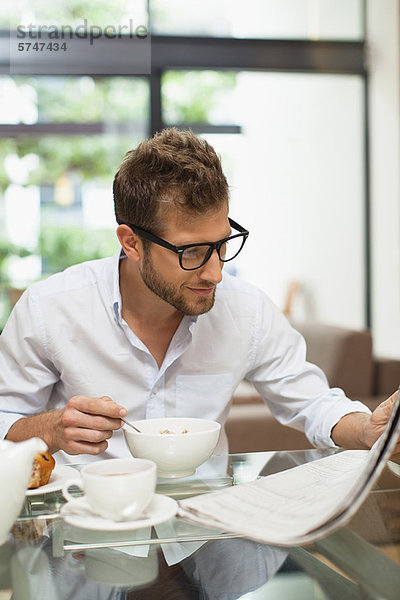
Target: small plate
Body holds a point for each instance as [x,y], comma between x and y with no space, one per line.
[160,509]
[59,476]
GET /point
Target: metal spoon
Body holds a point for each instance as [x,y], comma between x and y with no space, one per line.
[130,425]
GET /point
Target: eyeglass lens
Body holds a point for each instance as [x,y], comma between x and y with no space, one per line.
[194,256]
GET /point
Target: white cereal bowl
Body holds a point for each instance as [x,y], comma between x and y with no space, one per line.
[176,454]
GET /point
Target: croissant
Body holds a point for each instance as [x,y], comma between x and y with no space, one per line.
[43,466]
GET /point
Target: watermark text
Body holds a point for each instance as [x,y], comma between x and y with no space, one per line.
[84,31]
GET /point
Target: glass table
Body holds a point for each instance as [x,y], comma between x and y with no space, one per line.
[47,559]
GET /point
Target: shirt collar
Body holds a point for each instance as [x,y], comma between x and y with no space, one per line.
[116,293]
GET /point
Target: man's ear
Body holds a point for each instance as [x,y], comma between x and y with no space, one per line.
[130,242]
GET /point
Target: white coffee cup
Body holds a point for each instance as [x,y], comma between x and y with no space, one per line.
[119,489]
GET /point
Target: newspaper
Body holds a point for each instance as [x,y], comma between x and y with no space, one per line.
[302,504]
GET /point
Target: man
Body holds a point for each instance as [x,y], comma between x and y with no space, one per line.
[157,330]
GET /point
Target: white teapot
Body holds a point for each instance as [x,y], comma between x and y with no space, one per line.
[16,460]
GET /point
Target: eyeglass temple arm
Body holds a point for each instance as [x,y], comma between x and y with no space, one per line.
[146,235]
[237,226]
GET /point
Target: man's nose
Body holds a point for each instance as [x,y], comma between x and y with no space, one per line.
[212,270]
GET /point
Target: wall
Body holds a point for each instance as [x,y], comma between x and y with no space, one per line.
[297,183]
[383,38]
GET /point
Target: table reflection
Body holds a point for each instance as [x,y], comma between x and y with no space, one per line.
[45,559]
[218,569]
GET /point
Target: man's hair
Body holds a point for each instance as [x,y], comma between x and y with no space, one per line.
[173,168]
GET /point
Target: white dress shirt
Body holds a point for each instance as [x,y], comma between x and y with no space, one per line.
[66,336]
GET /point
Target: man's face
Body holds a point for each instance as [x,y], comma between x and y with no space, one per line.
[190,292]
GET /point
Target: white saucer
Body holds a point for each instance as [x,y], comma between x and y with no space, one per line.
[59,476]
[160,509]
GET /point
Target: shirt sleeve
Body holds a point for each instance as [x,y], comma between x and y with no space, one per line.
[296,391]
[27,376]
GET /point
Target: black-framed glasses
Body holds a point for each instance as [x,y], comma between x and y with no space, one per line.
[194,256]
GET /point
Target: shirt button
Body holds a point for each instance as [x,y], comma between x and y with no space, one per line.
[155,390]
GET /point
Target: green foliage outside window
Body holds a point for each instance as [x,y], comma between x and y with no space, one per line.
[109,101]
[195,96]
[66,246]
[67,12]
[8,250]
[91,157]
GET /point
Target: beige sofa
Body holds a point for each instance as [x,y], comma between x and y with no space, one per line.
[347,358]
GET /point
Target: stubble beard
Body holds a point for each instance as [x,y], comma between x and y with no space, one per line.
[172,294]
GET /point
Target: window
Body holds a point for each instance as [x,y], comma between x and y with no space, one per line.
[60,159]
[266,19]
[277,86]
